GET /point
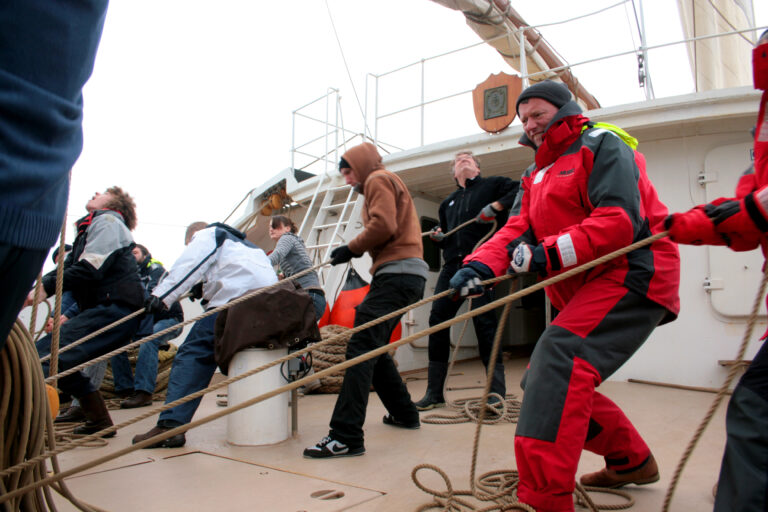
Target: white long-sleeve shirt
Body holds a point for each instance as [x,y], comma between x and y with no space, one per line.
[228,266]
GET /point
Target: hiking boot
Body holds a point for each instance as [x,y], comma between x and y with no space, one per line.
[139,399]
[329,447]
[391,420]
[433,398]
[176,441]
[647,473]
[96,415]
[73,414]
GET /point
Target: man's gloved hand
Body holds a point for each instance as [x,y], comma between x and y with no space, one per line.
[436,235]
[466,282]
[487,214]
[526,258]
[196,292]
[693,227]
[342,254]
[153,305]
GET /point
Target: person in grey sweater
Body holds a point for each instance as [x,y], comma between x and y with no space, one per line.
[290,255]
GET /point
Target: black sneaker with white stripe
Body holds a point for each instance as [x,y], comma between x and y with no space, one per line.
[330,447]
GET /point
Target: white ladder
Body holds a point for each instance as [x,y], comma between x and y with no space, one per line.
[331,220]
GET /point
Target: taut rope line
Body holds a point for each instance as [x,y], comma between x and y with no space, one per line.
[174,327]
[720,394]
[305,380]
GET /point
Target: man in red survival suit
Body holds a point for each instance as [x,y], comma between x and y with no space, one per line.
[586,195]
[741,223]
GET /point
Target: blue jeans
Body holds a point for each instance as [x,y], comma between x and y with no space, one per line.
[318,300]
[84,323]
[146,362]
[192,370]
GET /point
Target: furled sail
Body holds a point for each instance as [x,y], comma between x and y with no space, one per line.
[493,19]
[723,61]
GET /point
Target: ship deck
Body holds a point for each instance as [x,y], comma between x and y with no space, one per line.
[210,474]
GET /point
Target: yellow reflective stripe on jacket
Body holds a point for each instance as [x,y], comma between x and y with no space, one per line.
[627,138]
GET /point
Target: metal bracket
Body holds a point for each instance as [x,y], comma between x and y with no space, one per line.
[710,284]
[703,178]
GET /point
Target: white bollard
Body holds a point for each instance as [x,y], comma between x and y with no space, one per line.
[266,422]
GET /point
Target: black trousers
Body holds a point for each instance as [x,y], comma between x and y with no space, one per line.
[446,308]
[743,483]
[18,269]
[388,293]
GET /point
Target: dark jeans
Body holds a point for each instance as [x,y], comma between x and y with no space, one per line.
[81,325]
[18,269]
[446,308]
[318,301]
[388,293]
[192,369]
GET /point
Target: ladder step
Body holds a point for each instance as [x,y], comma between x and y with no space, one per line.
[336,206]
[323,246]
[324,226]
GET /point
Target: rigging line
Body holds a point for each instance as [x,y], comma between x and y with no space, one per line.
[629,22]
[637,21]
[346,66]
[577,17]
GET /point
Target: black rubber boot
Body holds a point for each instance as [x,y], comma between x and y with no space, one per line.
[433,398]
[498,384]
[96,415]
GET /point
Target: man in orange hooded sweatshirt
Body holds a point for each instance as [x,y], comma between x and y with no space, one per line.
[392,236]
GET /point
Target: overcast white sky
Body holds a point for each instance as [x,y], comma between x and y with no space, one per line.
[189,105]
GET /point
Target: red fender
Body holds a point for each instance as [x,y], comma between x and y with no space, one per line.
[352,293]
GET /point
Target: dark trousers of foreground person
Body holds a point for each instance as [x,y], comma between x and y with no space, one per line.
[388,293]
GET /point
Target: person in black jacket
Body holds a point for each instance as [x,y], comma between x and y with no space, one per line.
[100,271]
[141,386]
[485,200]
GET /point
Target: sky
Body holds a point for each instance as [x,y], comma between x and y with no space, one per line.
[190,102]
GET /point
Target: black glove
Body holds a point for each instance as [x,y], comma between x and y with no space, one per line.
[342,254]
[466,282]
[196,292]
[154,305]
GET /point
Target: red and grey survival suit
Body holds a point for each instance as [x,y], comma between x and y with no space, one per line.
[586,195]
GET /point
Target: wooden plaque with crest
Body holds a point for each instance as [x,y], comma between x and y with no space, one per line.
[494,101]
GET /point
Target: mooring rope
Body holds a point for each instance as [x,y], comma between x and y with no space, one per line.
[305,380]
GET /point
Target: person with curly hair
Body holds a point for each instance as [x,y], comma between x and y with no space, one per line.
[101,273]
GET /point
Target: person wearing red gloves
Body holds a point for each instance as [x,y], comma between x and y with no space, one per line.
[741,223]
[586,195]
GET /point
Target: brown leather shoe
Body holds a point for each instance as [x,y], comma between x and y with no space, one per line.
[176,441]
[74,414]
[96,415]
[139,399]
[609,478]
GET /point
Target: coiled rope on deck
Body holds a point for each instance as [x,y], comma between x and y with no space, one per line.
[26,427]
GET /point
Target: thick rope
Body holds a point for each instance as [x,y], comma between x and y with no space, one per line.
[460,226]
[305,380]
[53,368]
[156,335]
[33,315]
[24,418]
[720,394]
